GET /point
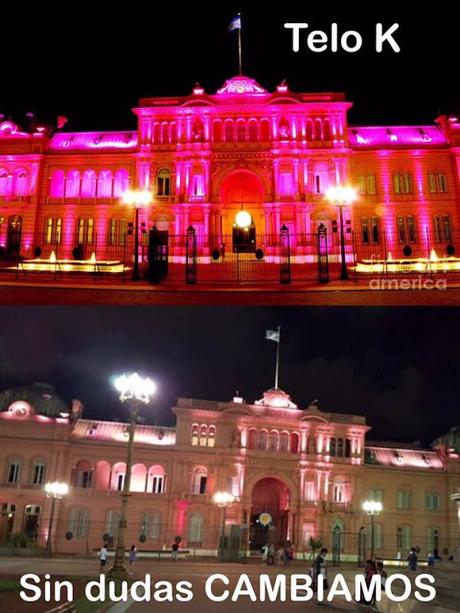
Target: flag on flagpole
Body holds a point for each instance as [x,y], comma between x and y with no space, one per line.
[235,24]
[272,335]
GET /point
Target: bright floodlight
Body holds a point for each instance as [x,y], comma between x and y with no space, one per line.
[134,387]
[341,195]
[137,197]
[243,219]
[223,499]
[56,489]
[373,507]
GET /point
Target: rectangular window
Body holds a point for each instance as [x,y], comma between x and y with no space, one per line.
[371,185]
[338,493]
[411,230]
[120,482]
[318,185]
[198,185]
[286,186]
[432,183]
[362,185]
[407,231]
[53,230]
[118,231]
[403,499]
[38,476]
[370,230]
[85,231]
[442,183]
[404,539]
[202,485]
[442,228]
[158,484]
[432,502]
[378,536]
[14,471]
[376,495]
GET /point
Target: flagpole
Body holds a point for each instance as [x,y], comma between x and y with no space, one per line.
[277,368]
[240,61]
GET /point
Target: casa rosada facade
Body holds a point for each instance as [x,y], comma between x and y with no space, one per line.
[204,157]
[307,470]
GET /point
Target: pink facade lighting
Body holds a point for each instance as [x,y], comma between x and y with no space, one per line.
[341,196]
[136,198]
[54,490]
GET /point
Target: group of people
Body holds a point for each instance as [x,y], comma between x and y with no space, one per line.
[284,554]
[104,554]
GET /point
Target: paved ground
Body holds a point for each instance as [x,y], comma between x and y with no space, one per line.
[334,294]
[197,572]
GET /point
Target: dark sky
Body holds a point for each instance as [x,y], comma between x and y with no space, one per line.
[91,61]
[398,367]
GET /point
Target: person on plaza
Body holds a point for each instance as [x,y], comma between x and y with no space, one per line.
[280,555]
[382,572]
[320,568]
[370,570]
[174,551]
[412,559]
[265,550]
[398,558]
[431,558]
[132,555]
[103,555]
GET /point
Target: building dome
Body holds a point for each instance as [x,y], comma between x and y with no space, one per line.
[41,398]
[241,85]
[276,398]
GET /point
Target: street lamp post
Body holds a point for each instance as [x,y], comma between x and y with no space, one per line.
[372,508]
[223,500]
[54,490]
[135,391]
[137,199]
[342,196]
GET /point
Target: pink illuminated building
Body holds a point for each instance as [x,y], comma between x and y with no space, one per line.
[310,470]
[205,157]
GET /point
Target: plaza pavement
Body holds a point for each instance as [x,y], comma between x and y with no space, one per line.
[197,571]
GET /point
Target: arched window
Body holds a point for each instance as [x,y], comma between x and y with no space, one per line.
[262,441]
[89,184]
[156,133]
[229,131]
[402,183]
[195,529]
[138,478]
[252,439]
[13,472]
[82,474]
[203,435]
[118,476]
[195,434]
[338,492]
[332,447]
[273,441]
[340,447]
[157,479]
[72,184]
[338,535]
[150,525]
[253,131]
[164,133]
[327,130]
[309,130]
[78,522]
[56,184]
[217,131]
[211,436]
[21,183]
[284,442]
[5,183]
[294,442]
[38,472]
[318,130]
[105,184]
[264,130]
[241,131]
[347,448]
[163,183]
[199,480]
[173,133]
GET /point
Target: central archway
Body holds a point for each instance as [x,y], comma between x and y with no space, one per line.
[242,190]
[270,500]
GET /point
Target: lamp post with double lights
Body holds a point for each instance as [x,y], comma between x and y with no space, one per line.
[54,490]
[223,500]
[135,391]
[372,508]
[136,198]
[342,196]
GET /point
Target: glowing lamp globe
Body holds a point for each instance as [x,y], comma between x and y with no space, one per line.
[341,195]
[56,489]
[134,387]
[137,197]
[222,499]
[372,507]
[243,219]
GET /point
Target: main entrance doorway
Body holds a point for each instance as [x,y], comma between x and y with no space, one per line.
[269,514]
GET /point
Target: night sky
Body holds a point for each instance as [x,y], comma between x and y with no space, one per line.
[91,61]
[398,367]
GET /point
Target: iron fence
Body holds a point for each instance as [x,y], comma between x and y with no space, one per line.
[194,257]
